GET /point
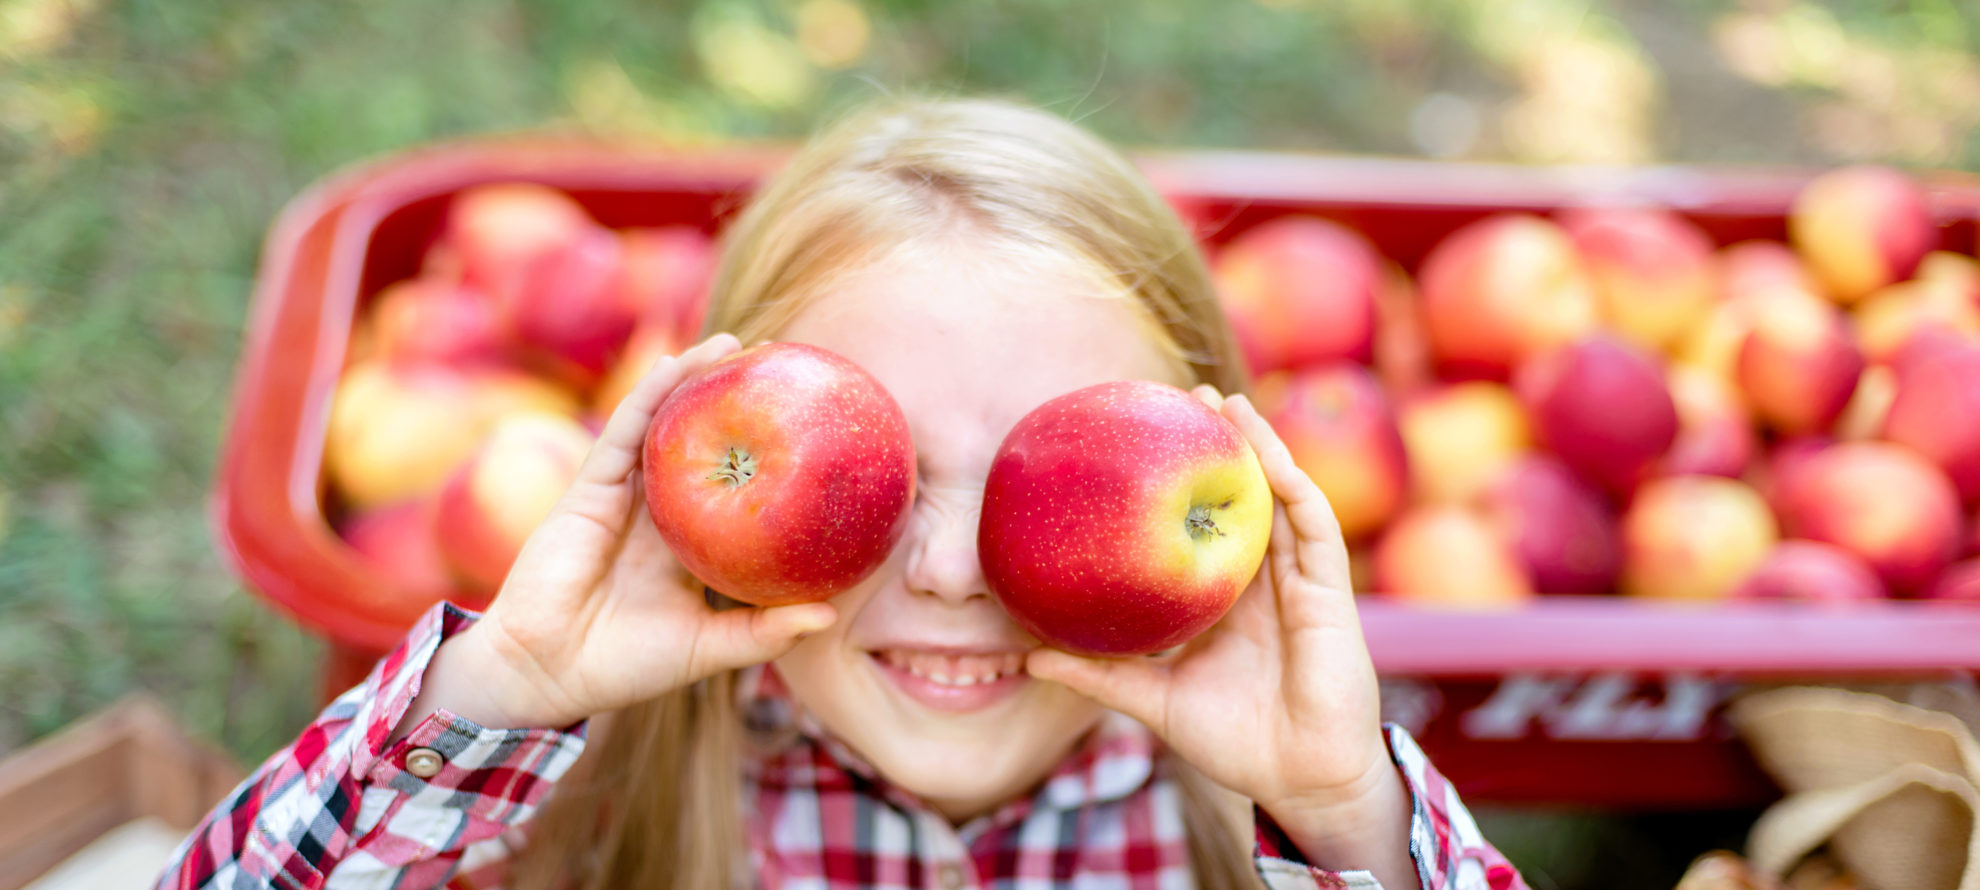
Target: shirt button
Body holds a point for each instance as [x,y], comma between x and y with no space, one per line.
[951,876]
[424,762]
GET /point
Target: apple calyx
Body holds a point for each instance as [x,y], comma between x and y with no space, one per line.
[737,467]
[1200,523]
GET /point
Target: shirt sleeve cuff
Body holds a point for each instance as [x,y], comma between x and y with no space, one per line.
[499,775]
[1441,832]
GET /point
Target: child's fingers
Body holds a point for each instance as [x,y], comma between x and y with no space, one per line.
[617,450]
[1133,686]
[1208,395]
[738,638]
[1319,548]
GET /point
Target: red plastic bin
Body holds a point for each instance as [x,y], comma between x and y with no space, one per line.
[1591,700]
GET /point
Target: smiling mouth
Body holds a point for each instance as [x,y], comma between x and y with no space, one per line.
[954,670]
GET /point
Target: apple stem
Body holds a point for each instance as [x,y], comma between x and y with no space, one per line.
[1199,523]
[737,468]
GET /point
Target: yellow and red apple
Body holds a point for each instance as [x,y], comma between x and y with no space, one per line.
[1878,500]
[494,501]
[1460,436]
[1501,290]
[1654,272]
[780,474]
[397,430]
[1300,290]
[1449,556]
[1798,365]
[1694,537]
[1861,228]
[1122,519]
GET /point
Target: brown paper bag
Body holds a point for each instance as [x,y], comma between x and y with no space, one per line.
[1890,788]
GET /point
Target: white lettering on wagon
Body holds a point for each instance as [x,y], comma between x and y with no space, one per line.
[1603,706]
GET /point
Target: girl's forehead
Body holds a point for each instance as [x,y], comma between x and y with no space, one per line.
[978,341]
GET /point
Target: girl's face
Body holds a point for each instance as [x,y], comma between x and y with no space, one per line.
[922,674]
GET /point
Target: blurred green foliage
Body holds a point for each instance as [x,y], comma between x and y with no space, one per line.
[145,146]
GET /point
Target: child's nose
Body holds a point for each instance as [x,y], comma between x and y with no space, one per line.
[943,560]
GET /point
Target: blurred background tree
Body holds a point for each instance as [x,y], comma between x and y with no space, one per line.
[145,146]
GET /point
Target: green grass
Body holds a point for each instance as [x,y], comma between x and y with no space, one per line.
[146,145]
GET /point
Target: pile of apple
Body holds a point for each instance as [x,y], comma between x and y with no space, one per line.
[473,390]
[1603,400]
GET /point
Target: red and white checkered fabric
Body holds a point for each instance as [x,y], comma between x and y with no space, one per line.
[338,809]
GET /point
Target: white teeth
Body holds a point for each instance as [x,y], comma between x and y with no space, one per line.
[950,670]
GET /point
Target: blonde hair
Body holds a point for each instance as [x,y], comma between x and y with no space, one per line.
[657,803]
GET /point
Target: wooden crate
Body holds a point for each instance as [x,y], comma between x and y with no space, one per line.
[129,761]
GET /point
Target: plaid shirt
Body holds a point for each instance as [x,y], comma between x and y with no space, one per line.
[341,808]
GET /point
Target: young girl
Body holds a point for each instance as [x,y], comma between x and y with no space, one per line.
[606,724]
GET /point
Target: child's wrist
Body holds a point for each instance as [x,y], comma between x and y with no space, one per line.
[477,677]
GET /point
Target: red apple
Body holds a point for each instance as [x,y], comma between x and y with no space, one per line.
[1559,526]
[1300,290]
[1757,267]
[425,319]
[1654,272]
[1601,405]
[1459,437]
[1959,583]
[666,275]
[571,309]
[1448,556]
[1694,537]
[1861,228]
[1936,412]
[1812,571]
[497,231]
[401,542]
[1500,290]
[1122,519]
[1715,433]
[397,430]
[494,501]
[1342,433]
[1798,365]
[780,474]
[1880,501]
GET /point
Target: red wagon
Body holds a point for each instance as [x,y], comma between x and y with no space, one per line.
[1594,700]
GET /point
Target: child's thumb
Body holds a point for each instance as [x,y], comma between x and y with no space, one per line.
[1132,686]
[738,638]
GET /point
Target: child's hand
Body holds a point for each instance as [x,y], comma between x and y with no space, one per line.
[596,614]
[1277,701]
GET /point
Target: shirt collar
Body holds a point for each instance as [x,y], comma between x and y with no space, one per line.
[1112,762]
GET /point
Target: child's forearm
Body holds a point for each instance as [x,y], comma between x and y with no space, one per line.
[1369,834]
